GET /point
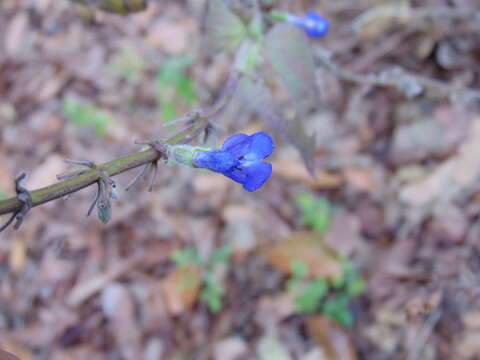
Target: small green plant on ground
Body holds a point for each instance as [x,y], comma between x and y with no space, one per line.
[128,64]
[212,290]
[174,88]
[316,212]
[86,115]
[331,298]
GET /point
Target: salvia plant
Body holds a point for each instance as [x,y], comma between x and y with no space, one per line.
[257,37]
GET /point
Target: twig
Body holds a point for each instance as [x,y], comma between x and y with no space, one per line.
[421,339]
[398,79]
[77,179]
[79,182]
[25,198]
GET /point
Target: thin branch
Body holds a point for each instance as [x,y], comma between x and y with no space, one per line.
[63,188]
[77,179]
[398,79]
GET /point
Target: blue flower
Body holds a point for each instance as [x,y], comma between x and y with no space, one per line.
[241,159]
[313,24]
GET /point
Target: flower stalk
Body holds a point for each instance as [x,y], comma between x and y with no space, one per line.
[89,177]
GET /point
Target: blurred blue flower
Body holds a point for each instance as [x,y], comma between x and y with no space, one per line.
[241,159]
[314,25]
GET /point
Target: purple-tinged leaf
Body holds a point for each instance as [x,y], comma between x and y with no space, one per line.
[288,51]
[224,30]
[258,98]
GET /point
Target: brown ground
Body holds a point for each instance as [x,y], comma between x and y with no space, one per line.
[401,175]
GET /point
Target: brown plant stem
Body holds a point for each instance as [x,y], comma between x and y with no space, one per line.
[62,188]
[198,119]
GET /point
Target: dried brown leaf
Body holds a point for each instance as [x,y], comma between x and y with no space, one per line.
[4,355]
[308,248]
[449,178]
[295,171]
[332,338]
[15,33]
[19,351]
[119,308]
[181,288]
[377,20]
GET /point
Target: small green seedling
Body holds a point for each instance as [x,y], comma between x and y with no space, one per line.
[185,257]
[128,64]
[87,115]
[317,213]
[331,298]
[174,88]
[212,291]
[307,294]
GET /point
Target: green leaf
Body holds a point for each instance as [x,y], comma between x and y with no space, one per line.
[104,211]
[294,285]
[168,111]
[299,269]
[247,57]
[338,282]
[222,255]
[316,212]
[337,309]
[128,63]
[186,91]
[171,75]
[258,98]
[172,67]
[174,87]
[185,257]
[308,301]
[288,50]
[87,115]
[224,30]
[304,143]
[212,294]
[355,286]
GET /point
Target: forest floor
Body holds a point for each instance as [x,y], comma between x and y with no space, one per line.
[377,257]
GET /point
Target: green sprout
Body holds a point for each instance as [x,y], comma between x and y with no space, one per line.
[317,213]
[329,297]
[128,64]
[87,115]
[212,291]
[174,88]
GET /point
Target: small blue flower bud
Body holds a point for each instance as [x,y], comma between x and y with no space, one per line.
[314,25]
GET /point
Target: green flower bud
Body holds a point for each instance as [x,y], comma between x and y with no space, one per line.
[183,154]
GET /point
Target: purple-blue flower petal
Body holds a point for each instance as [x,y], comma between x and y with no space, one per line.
[240,159]
[237,144]
[252,177]
[218,160]
[237,174]
[257,175]
[314,24]
[262,145]
[319,25]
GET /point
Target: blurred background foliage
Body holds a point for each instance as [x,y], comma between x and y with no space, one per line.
[374,257]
